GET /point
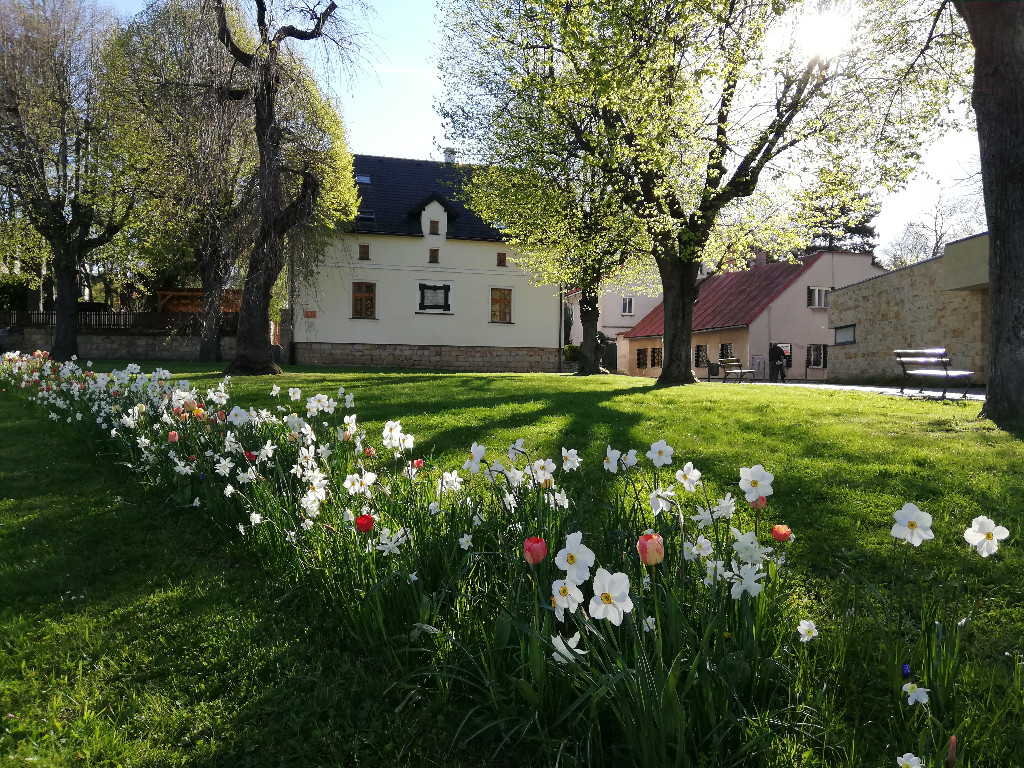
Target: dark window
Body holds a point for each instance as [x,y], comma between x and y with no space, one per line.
[501,260]
[364,300]
[501,305]
[627,305]
[364,252]
[817,356]
[435,227]
[435,297]
[700,356]
[656,357]
[724,350]
[435,256]
[641,359]
[361,179]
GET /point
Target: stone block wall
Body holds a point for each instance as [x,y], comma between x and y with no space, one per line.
[476,359]
[907,309]
[120,346]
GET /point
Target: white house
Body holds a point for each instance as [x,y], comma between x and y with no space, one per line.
[423,282]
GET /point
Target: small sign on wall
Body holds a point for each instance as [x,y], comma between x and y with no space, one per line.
[309,314]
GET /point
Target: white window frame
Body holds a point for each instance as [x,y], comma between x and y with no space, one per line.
[818,297]
[627,305]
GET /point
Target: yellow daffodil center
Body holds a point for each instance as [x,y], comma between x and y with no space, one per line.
[989,536]
[606,598]
[564,591]
[911,687]
[570,559]
[554,603]
[912,524]
[753,483]
[661,453]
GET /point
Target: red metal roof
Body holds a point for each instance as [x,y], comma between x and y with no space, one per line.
[730,299]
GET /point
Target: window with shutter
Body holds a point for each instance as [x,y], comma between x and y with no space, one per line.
[700,356]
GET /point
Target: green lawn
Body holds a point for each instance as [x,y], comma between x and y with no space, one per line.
[134,634]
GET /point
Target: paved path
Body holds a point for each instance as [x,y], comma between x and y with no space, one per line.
[976,394]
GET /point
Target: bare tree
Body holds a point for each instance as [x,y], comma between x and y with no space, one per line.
[951,218]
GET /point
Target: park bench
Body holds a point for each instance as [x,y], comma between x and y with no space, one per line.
[731,366]
[930,364]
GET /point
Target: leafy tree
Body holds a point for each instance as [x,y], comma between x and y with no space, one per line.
[201,215]
[302,156]
[72,162]
[997,32]
[692,107]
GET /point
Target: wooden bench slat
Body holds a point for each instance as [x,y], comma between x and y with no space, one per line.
[939,361]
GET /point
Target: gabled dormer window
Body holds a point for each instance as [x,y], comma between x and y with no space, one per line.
[435,227]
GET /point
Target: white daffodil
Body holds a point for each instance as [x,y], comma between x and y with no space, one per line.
[908,760]
[389,543]
[688,476]
[611,460]
[703,547]
[350,401]
[566,649]
[660,453]
[576,559]
[915,693]
[450,481]
[806,630]
[746,580]
[466,541]
[912,525]
[661,500]
[542,470]
[715,570]
[566,595]
[476,455]
[255,518]
[649,624]
[516,449]
[275,391]
[725,508]
[294,393]
[570,459]
[748,548]
[611,596]
[629,460]
[756,481]
[557,499]
[984,535]
[703,518]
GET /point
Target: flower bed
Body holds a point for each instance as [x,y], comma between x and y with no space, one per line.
[646,620]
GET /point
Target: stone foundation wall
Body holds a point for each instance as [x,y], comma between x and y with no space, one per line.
[475,359]
[907,309]
[116,346]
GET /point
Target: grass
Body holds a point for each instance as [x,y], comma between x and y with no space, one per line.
[132,635]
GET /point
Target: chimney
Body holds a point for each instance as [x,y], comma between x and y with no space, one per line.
[760,258]
[449,154]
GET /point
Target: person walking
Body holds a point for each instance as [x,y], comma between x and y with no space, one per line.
[776,363]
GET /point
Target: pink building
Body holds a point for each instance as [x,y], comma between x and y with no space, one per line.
[738,314]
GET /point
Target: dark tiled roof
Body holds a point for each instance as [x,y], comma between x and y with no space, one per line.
[730,299]
[399,189]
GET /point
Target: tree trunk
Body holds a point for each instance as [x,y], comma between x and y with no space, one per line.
[590,313]
[65,272]
[679,289]
[212,277]
[997,31]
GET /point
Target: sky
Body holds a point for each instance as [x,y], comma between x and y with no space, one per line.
[388,108]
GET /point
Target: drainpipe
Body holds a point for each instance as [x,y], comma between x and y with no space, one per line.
[561,319]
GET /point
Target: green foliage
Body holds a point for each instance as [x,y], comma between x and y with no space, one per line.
[571,353]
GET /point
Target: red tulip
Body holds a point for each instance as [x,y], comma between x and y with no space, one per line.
[364,523]
[651,548]
[534,550]
[250,456]
[951,754]
[418,464]
[781,532]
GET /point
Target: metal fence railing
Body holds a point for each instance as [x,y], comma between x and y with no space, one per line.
[188,323]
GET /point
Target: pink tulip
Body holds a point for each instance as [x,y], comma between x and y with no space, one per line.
[534,550]
[781,532]
[651,548]
[760,503]
[172,437]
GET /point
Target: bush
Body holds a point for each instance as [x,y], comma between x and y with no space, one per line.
[571,353]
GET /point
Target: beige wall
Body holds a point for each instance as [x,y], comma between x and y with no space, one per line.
[908,309]
[965,264]
[397,266]
[121,346]
[612,322]
[626,350]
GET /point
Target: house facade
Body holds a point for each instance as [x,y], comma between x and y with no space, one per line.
[739,314]
[941,302]
[422,282]
[621,307]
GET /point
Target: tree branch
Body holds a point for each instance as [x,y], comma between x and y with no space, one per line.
[224,35]
[289,30]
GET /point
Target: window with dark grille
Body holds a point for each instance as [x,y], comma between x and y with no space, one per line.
[364,252]
[641,359]
[502,260]
[435,227]
[501,305]
[817,356]
[435,256]
[435,297]
[724,350]
[364,300]
[656,353]
[700,356]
